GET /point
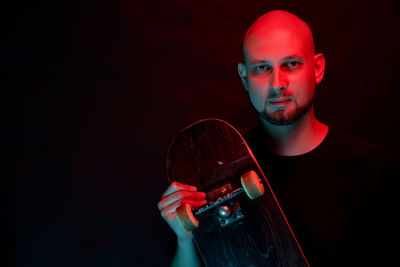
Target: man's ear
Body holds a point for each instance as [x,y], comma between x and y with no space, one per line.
[319,67]
[243,74]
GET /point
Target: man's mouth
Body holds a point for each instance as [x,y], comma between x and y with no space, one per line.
[281,101]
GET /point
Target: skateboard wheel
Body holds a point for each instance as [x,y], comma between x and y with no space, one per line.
[186,218]
[252,184]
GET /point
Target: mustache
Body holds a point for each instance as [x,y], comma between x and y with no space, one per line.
[284,95]
[279,94]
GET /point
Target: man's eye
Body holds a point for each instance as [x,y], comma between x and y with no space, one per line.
[291,64]
[262,68]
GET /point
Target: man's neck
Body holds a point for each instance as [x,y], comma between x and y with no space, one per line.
[295,139]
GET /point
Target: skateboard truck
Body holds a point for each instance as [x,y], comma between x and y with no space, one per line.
[228,210]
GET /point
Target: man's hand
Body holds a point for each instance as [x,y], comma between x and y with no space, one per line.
[174,196]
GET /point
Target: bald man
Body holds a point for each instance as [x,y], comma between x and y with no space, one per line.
[331,186]
[280,73]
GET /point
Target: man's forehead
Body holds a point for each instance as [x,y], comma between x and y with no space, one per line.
[275,47]
[278,32]
[274,38]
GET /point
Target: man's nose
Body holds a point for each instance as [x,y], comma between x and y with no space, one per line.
[278,80]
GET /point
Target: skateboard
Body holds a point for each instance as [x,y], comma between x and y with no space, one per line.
[242,223]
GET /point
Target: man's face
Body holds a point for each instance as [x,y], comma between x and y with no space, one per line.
[279,75]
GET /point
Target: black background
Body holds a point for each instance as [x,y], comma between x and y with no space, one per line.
[93,92]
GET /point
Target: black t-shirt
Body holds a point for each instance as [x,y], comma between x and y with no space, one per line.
[336,198]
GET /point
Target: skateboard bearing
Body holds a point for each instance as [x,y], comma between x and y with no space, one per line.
[224,211]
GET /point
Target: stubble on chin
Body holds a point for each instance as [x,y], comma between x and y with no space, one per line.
[284,117]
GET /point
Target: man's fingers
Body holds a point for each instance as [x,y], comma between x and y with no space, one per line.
[173,206]
[179,195]
[176,186]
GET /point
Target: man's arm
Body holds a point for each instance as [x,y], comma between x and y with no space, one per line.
[186,255]
[174,196]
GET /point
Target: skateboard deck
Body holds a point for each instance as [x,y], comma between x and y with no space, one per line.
[233,229]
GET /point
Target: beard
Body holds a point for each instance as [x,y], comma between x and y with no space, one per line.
[283,117]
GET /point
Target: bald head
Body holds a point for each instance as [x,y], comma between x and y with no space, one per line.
[281,69]
[277,28]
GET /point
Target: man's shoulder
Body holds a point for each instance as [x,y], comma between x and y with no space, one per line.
[253,134]
[255,138]
[353,145]
[337,142]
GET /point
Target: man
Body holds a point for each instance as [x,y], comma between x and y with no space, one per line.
[328,183]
